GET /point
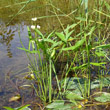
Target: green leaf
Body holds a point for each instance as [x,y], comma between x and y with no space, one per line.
[59,105]
[97,64]
[86,6]
[107,5]
[69,27]
[77,45]
[26,50]
[68,34]
[104,80]
[33,0]
[61,36]
[9,108]
[74,84]
[29,33]
[48,40]
[79,67]
[100,53]
[70,83]
[73,96]
[81,18]
[91,31]
[53,53]
[73,25]
[103,46]
[105,97]
[25,107]
[56,44]
[31,43]
[39,33]
[50,35]
[56,104]
[95,84]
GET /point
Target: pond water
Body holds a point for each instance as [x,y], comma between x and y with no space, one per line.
[12,60]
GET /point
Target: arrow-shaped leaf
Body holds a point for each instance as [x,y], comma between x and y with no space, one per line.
[77,45]
[61,36]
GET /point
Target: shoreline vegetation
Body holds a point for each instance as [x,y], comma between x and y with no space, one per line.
[72,70]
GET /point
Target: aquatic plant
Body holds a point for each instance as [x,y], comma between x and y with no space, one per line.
[75,51]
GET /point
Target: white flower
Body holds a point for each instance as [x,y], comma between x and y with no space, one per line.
[38,26]
[32,41]
[33,26]
[39,40]
[34,19]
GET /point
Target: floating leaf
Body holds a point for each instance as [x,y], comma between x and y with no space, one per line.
[104,80]
[59,105]
[56,104]
[95,84]
[73,96]
[105,97]
[74,84]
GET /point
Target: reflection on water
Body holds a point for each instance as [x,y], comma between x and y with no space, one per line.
[6,36]
[9,37]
